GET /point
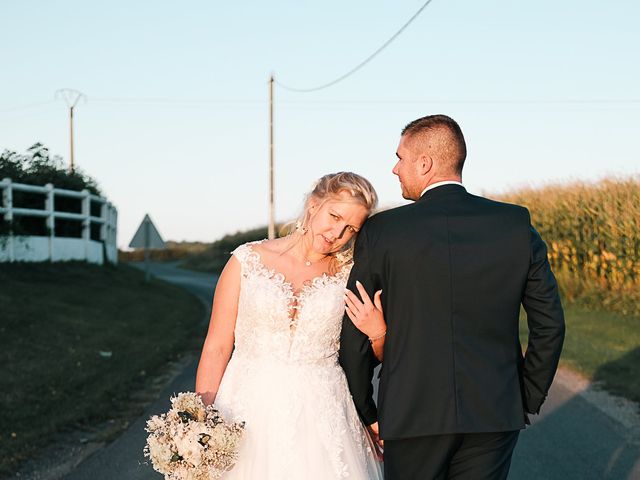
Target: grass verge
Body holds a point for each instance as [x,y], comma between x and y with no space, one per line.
[604,347]
[78,343]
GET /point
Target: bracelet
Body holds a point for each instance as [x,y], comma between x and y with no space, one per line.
[371,340]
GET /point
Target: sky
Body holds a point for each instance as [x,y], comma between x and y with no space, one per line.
[175,122]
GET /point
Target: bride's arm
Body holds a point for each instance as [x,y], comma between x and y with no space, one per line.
[368,317]
[218,345]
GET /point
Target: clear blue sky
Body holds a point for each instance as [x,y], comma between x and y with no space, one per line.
[176,119]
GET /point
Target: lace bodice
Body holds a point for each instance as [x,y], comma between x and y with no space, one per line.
[287,325]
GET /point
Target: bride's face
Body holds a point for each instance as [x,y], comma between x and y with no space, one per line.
[333,222]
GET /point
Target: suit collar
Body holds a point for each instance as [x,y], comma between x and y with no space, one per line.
[439,184]
[441,191]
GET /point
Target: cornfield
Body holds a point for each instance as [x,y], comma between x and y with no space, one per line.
[592,233]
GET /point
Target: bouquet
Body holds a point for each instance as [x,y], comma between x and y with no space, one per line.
[192,441]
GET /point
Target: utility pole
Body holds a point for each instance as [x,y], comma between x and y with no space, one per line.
[272,222]
[71,98]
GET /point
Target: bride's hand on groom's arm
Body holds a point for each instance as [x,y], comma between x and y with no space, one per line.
[367,316]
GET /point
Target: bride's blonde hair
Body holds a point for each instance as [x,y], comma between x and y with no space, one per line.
[331,186]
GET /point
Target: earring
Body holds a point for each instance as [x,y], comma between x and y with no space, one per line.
[300,228]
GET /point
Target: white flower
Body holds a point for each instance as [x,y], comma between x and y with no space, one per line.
[160,454]
[188,446]
[155,423]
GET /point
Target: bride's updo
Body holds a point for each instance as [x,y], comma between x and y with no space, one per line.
[331,186]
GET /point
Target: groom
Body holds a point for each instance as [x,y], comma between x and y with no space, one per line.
[454,268]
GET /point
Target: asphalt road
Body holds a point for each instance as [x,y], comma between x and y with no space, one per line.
[571,440]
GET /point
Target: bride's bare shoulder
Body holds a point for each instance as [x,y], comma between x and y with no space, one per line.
[274,246]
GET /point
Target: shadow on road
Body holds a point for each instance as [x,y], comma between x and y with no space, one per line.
[574,439]
[620,376]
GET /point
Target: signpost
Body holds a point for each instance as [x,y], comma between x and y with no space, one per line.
[147,237]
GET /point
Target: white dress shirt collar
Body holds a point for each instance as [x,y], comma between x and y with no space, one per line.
[439,184]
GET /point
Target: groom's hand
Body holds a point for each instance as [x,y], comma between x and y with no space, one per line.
[378,443]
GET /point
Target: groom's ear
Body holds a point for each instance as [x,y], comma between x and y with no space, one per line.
[425,164]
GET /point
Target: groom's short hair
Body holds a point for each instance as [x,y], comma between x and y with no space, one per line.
[450,145]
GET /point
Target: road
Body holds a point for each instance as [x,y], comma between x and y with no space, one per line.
[572,439]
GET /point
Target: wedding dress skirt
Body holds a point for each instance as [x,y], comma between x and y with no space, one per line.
[285,383]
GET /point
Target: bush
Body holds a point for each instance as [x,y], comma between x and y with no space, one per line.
[38,167]
[173,251]
[216,256]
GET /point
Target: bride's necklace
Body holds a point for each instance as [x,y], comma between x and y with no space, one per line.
[308,262]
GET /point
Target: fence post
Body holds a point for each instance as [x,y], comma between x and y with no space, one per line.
[49,206]
[7,200]
[86,222]
[103,232]
[105,217]
[113,228]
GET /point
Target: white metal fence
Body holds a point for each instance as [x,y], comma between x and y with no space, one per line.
[38,248]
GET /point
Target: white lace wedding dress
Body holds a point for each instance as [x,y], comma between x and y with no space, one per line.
[285,382]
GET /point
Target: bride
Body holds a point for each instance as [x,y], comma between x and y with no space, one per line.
[270,358]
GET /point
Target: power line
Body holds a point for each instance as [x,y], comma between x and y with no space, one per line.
[27,106]
[211,102]
[172,101]
[488,101]
[361,64]
[521,101]
[203,102]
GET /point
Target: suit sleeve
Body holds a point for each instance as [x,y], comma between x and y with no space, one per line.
[356,356]
[545,320]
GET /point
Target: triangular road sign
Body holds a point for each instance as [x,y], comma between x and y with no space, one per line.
[147,236]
